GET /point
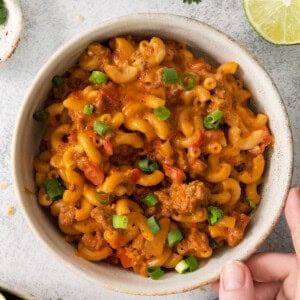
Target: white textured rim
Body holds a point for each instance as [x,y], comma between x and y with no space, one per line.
[158,289]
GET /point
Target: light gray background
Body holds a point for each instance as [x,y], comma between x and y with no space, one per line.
[48,24]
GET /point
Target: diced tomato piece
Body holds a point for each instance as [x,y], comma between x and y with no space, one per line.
[135,174]
[199,142]
[92,172]
[174,173]
[126,261]
[108,146]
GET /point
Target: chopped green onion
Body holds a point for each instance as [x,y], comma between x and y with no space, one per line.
[169,75]
[54,188]
[215,215]
[187,81]
[181,267]
[192,262]
[252,204]
[119,222]
[102,197]
[174,237]
[153,224]
[3,15]
[150,200]
[40,115]
[162,113]
[88,109]
[98,77]
[101,128]
[155,272]
[148,166]
[213,120]
[57,80]
[212,243]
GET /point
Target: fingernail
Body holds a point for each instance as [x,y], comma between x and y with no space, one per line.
[233,276]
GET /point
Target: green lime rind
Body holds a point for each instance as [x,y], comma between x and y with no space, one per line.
[277,21]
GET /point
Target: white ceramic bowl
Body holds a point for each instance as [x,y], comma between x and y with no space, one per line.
[214,46]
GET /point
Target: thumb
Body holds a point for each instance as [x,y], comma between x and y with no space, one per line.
[236,282]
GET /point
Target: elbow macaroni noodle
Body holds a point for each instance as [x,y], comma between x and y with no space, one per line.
[198,166]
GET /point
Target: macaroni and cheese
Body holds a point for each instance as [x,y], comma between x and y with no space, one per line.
[151,158]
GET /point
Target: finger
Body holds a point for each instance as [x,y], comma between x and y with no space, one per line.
[268,267]
[292,213]
[266,291]
[215,286]
[236,282]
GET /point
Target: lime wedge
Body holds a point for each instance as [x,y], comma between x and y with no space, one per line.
[277,21]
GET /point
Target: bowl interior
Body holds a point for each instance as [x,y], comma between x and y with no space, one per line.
[216,48]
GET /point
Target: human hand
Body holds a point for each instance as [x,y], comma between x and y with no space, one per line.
[267,275]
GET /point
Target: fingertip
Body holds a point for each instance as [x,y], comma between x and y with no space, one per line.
[236,282]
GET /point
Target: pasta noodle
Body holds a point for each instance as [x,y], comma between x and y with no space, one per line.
[150,155]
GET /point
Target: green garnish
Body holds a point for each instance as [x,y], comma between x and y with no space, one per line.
[3,15]
[169,75]
[187,81]
[252,204]
[181,267]
[150,200]
[57,80]
[213,120]
[119,222]
[190,263]
[54,188]
[101,128]
[40,115]
[153,224]
[162,113]
[155,272]
[98,77]
[148,166]
[215,215]
[88,109]
[102,197]
[174,237]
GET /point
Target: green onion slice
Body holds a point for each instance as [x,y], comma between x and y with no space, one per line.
[181,267]
[54,188]
[252,204]
[215,215]
[148,166]
[162,113]
[155,272]
[150,200]
[213,120]
[169,75]
[102,197]
[192,262]
[3,15]
[57,80]
[174,237]
[88,109]
[119,222]
[187,81]
[101,128]
[41,115]
[98,77]
[153,224]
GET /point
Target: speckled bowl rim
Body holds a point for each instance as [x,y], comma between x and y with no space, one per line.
[156,289]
